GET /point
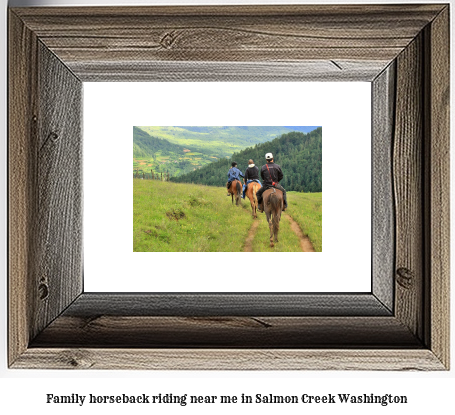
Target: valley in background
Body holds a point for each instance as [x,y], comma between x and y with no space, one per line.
[203,155]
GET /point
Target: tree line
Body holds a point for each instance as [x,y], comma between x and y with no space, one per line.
[298,154]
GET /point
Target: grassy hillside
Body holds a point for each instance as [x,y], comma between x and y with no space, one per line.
[173,217]
[217,141]
[178,151]
[170,217]
[306,210]
[288,241]
[144,145]
[162,156]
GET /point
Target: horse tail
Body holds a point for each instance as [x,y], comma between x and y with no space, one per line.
[255,198]
[275,205]
[239,188]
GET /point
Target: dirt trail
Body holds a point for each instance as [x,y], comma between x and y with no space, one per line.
[250,237]
[305,242]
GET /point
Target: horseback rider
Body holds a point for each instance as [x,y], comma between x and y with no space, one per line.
[233,174]
[251,174]
[271,174]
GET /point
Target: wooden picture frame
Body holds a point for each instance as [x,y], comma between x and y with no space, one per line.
[403,324]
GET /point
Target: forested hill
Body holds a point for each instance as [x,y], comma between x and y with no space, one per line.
[298,154]
[305,129]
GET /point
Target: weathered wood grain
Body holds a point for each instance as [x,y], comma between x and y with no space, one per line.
[215,305]
[438,198]
[53,49]
[257,332]
[45,164]
[382,201]
[22,173]
[228,34]
[168,71]
[57,270]
[229,359]
[408,188]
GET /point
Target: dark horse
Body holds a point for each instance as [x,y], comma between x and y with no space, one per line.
[273,205]
[235,189]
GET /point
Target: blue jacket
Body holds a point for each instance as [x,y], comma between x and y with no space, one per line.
[234,173]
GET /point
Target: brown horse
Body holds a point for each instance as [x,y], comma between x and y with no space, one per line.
[251,190]
[273,205]
[235,189]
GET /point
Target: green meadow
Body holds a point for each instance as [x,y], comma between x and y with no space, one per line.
[174,217]
[306,210]
[288,241]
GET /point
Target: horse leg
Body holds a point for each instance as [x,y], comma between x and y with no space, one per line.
[271,233]
[254,202]
[270,221]
[249,195]
[276,225]
[253,213]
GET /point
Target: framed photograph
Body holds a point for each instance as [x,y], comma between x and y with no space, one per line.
[400,323]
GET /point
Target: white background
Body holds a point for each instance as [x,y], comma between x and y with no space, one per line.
[24,391]
[344,111]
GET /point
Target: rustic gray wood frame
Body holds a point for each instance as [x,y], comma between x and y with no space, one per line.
[403,324]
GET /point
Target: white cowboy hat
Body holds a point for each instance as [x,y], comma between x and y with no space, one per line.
[269,156]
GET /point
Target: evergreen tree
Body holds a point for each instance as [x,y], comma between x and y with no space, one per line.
[298,154]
